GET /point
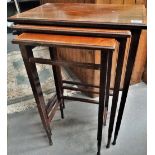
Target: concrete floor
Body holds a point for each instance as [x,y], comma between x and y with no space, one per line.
[76,134]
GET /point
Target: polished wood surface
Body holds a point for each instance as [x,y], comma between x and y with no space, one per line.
[85,56]
[121,22]
[75,30]
[66,1]
[86,75]
[28,40]
[142,49]
[78,13]
[115,1]
[63,40]
[97,1]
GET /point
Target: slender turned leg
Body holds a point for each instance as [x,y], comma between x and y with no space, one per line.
[57,79]
[26,52]
[116,88]
[109,64]
[131,59]
[103,72]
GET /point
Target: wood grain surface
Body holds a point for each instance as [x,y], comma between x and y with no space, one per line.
[78,13]
[90,76]
[72,30]
[64,40]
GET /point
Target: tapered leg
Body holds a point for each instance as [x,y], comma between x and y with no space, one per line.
[26,52]
[103,74]
[109,65]
[116,88]
[131,59]
[57,79]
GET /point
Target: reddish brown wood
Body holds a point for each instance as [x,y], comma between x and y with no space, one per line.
[135,29]
[116,1]
[80,99]
[141,53]
[102,96]
[71,30]
[129,1]
[140,59]
[67,1]
[51,103]
[106,47]
[63,40]
[88,75]
[53,110]
[91,14]
[116,88]
[26,52]
[102,1]
[57,78]
[144,78]
[64,63]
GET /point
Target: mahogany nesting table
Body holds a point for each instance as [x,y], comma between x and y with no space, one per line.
[91,20]
[28,40]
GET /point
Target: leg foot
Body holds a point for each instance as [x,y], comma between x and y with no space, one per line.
[50,141]
[49,133]
[114,143]
[61,110]
[108,144]
[98,153]
[99,146]
[62,115]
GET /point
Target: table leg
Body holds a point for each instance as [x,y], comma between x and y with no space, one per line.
[26,52]
[108,79]
[121,53]
[57,78]
[103,74]
[130,64]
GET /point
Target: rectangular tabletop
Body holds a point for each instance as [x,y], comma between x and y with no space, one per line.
[71,30]
[76,14]
[64,40]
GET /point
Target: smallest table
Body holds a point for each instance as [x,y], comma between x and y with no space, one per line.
[27,41]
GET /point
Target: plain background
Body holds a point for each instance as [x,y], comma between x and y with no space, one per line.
[150,66]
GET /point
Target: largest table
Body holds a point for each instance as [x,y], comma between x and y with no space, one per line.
[105,16]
